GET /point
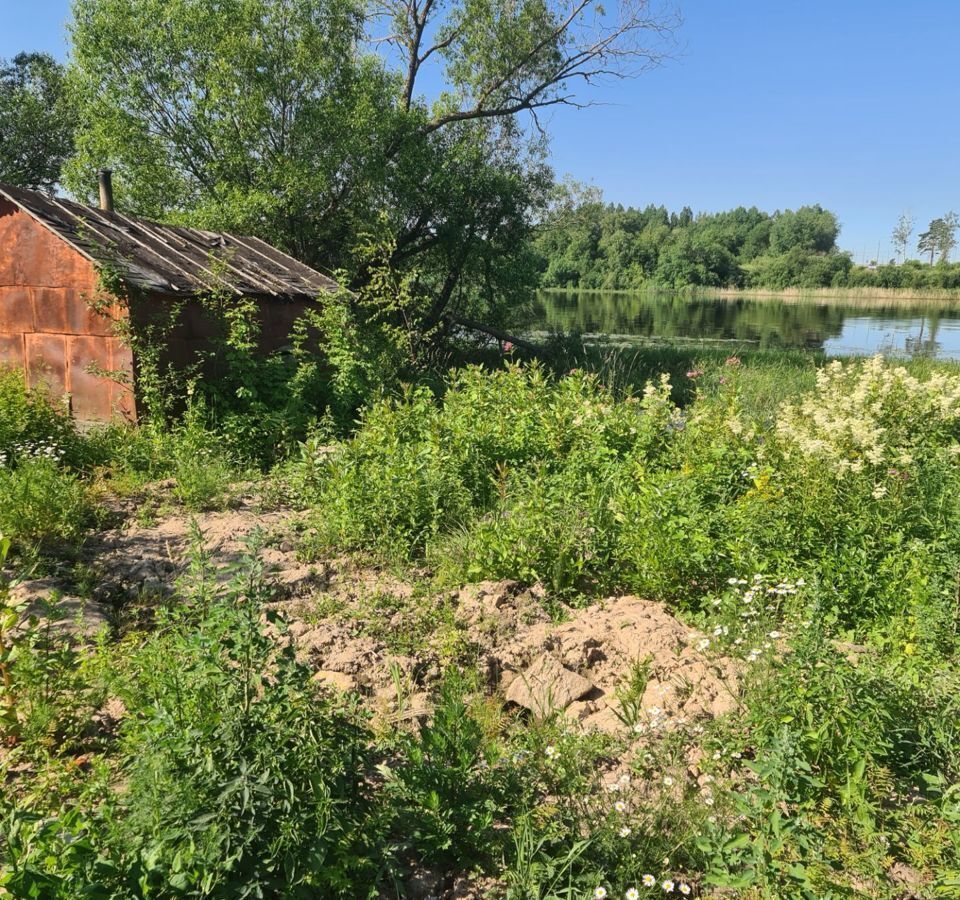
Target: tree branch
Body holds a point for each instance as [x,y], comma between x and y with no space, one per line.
[592,52]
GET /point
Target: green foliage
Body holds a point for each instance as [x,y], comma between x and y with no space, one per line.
[253,140]
[203,471]
[910,275]
[256,144]
[31,425]
[10,611]
[810,228]
[448,793]
[42,498]
[940,237]
[37,121]
[518,476]
[41,504]
[372,340]
[587,244]
[235,405]
[241,780]
[416,470]
[58,685]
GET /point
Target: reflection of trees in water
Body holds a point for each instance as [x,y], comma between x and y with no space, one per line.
[925,343]
[765,323]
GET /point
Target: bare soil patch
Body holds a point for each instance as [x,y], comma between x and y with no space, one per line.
[365,629]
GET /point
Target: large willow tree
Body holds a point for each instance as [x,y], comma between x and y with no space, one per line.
[314,122]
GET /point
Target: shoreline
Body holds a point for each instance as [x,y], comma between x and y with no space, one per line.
[848,296]
[898,295]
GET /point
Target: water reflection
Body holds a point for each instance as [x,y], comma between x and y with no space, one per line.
[836,328]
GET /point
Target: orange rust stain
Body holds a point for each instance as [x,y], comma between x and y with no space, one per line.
[47,325]
[11,351]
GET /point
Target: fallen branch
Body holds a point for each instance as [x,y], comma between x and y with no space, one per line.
[497,333]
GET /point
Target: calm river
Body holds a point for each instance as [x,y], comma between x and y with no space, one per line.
[837,328]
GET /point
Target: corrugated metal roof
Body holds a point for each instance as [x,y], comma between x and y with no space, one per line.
[168,258]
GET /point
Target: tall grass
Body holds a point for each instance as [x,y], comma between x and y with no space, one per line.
[847,296]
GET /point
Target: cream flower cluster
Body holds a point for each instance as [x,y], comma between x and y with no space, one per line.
[864,415]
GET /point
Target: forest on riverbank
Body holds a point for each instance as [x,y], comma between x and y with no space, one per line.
[587,244]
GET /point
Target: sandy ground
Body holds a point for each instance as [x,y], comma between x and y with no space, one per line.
[623,663]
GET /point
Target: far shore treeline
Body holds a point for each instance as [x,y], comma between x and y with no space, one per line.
[588,244]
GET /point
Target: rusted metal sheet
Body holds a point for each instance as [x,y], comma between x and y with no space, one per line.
[11,351]
[122,399]
[277,323]
[90,392]
[48,328]
[47,362]
[68,311]
[171,259]
[16,310]
[36,257]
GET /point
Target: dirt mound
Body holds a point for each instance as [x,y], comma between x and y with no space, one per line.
[625,662]
[143,560]
[622,664]
[44,602]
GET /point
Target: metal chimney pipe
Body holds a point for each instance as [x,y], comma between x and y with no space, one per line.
[106,189]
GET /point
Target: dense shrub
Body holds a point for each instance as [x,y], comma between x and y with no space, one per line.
[31,425]
[42,499]
[517,475]
[417,470]
[40,504]
[241,779]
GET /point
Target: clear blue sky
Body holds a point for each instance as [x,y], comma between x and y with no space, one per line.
[849,103]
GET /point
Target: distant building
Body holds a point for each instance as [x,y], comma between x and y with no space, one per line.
[52,252]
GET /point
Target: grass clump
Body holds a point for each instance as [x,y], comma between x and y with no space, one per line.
[43,501]
[41,504]
[240,778]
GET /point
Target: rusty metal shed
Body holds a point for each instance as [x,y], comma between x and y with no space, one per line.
[52,252]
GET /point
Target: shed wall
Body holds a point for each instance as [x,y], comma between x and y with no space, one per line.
[47,327]
[195,327]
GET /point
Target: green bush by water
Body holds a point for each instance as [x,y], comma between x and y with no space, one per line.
[515,474]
